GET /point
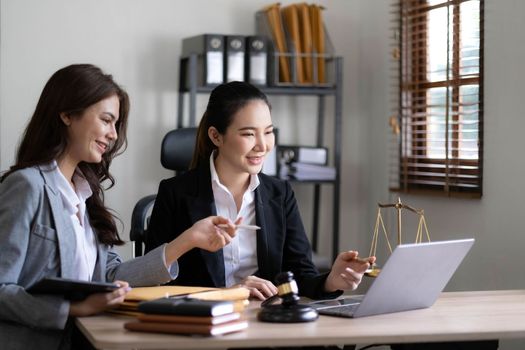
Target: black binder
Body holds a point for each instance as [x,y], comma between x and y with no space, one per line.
[256,60]
[209,49]
[234,58]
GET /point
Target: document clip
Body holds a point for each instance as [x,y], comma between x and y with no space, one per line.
[289,311]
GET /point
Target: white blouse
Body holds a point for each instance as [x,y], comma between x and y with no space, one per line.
[240,256]
[74,201]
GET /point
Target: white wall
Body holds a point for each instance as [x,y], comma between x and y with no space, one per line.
[139,43]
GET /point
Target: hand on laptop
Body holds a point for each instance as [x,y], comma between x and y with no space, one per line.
[347,271]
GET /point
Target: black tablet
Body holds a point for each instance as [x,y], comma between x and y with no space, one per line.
[69,288]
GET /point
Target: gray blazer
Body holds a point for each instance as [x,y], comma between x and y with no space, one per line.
[36,241]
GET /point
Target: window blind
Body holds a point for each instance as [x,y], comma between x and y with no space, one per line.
[437,102]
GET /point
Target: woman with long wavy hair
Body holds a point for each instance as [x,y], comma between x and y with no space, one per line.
[53,221]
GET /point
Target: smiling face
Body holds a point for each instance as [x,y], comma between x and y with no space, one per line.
[92,133]
[246,142]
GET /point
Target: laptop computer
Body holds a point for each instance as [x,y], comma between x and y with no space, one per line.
[412,278]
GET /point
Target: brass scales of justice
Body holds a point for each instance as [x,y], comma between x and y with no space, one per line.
[374,270]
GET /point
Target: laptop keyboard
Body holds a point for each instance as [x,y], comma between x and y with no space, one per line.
[344,307]
[341,311]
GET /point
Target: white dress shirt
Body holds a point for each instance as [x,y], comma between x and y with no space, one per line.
[74,201]
[240,256]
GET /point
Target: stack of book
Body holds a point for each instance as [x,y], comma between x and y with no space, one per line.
[185,310]
[182,315]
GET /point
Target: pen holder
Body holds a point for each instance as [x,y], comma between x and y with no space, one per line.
[289,311]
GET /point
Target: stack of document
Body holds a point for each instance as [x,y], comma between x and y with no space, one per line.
[298,36]
[305,171]
[238,295]
[307,163]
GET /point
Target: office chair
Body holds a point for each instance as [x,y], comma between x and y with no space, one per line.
[176,152]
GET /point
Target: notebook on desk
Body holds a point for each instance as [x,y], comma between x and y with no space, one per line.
[412,278]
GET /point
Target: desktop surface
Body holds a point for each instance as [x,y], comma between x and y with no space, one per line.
[455,316]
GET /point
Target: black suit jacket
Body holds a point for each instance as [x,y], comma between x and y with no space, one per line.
[282,244]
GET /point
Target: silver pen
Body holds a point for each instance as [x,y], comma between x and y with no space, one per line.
[247,227]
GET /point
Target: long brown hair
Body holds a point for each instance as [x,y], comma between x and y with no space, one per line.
[225,101]
[71,90]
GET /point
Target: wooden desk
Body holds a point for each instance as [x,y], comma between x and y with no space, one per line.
[454,316]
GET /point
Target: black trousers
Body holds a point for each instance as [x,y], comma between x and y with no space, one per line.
[79,340]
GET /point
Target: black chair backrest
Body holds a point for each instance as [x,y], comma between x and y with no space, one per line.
[175,154]
[177,149]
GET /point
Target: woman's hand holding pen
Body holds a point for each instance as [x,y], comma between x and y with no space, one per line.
[205,234]
[347,271]
[98,302]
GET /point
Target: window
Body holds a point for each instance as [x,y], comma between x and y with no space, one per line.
[438,120]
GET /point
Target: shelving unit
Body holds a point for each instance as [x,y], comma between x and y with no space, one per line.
[188,65]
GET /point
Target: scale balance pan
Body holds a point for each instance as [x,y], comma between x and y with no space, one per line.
[373,271]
